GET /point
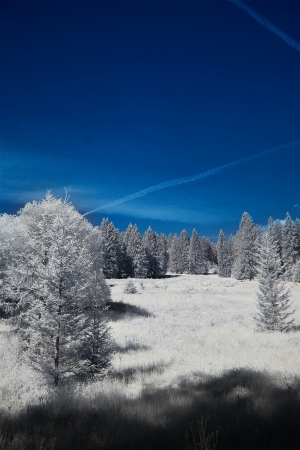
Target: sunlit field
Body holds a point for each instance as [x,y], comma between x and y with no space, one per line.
[185,349]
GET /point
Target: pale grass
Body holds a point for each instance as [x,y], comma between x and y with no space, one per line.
[199,323]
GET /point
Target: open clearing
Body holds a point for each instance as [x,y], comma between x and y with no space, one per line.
[195,324]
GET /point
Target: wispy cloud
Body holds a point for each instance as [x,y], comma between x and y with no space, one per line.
[265,23]
[196,177]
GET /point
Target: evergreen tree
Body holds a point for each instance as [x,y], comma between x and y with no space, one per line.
[288,248]
[273,300]
[296,275]
[183,253]
[12,241]
[197,264]
[230,247]
[274,228]
[174,260]
[208,253]
[245,247]
[150,243]
[224,267]
[136,251]
[95,347]
[125,261]
[163,255]
[51,282]
[110,248]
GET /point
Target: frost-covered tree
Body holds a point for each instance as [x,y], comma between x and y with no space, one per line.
[197,264]
[53,283]
[12,241]
[150,243]
[163,255]
[224,266]
[296,232]
[274,305]
[289,252]
[183,254]
[296,274]
[110,249]
[129,287]
[245,249]
[208,252]
[125,261]
[230,247]
[174,258]
[95,350]
[274,228]
[136,251]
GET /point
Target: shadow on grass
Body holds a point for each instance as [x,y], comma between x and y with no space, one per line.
[130,374]
[246,408]
[130,346]
[117,310]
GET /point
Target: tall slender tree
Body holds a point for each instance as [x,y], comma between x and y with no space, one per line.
[224,267]
[183,254]
[150,243]
[174,260]
[288,248]
[110,248]
[136,251]
[197,263]
[245,261]
[274,305]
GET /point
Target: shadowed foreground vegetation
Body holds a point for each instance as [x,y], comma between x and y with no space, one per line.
[240,410]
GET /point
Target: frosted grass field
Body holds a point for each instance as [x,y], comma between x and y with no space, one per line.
[198,324]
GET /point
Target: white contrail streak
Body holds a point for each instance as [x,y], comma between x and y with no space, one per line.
[198,176]
[265,23]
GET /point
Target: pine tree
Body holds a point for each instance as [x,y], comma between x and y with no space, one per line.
[150,243]
[174,264]
[51,282]
[224,268]
[163,255]
[245,260]
[12,241]
[110,248]
[296,240]
[197,264]
[230,247]
[273,300]
[208,253]
[288,248]
[125,268]
[274,228]
[296,275]
[136,251]
[95,350]
[183,253]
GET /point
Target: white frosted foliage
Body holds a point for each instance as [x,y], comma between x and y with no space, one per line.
[274,306]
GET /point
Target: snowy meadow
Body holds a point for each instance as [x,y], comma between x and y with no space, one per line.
[175,338]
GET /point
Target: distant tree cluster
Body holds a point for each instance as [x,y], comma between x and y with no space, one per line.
[244,248]
[129,254]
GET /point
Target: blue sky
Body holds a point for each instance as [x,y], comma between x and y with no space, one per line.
[107,98]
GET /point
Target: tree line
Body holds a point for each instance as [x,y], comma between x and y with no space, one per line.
[129,254]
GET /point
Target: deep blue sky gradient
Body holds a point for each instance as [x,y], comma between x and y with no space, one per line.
[107,98]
